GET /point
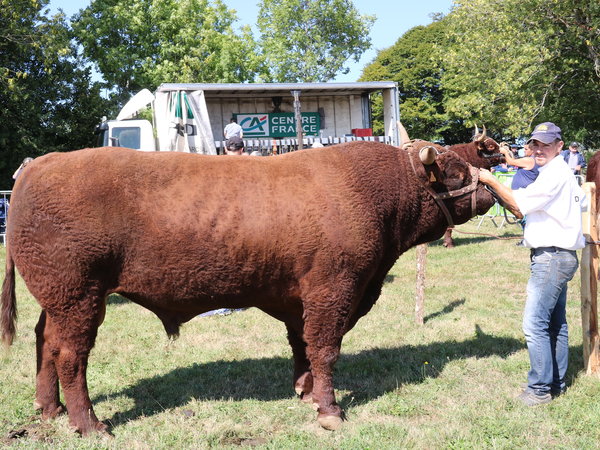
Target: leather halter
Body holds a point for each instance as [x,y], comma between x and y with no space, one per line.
[486,155]
[439,197]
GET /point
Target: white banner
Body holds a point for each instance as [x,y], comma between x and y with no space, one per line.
[182,123]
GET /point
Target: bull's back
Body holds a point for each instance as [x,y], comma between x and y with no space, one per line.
[175,222]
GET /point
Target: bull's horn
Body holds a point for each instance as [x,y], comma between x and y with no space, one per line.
[427,155]
[481,138]
[404,139]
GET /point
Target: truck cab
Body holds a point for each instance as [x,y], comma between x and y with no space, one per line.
[135,133]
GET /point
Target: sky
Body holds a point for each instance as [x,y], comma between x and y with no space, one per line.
[393,19]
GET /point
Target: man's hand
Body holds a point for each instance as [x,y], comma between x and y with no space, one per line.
[505,149]
[486,177]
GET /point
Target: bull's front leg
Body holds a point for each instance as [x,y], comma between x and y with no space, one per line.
[46,392]
[303,379]
[323,331]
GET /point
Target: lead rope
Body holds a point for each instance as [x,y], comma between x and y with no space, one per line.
[432,193]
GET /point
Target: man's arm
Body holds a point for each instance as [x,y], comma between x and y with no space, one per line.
[526,163]
[502,191]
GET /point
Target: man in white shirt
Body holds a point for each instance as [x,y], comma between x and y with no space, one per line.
[553,204]
[233,129]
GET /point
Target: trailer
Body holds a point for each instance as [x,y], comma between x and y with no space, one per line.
[275,117]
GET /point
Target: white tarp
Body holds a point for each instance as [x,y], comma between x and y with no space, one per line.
[137,102]
[182,123]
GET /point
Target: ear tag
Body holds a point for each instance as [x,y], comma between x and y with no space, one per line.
[432,177]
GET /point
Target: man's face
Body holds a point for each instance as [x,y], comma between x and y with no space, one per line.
[544,153]
[573,149]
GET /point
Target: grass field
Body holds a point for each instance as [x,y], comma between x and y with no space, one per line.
[226,382]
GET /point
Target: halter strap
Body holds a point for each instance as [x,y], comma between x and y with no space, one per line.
[440,197]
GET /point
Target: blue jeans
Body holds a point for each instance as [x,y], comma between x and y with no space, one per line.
[545,320]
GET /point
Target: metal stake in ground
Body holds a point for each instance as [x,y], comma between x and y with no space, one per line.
[420,295]
[297,111]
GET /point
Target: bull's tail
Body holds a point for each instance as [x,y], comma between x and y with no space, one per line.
[8,316]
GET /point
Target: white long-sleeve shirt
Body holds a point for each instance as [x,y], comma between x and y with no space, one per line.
[553,204]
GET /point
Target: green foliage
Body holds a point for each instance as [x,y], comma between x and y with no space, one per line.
[311,40]
[506,64]
[143,43]
[48,100]
[416,63]
[514,63]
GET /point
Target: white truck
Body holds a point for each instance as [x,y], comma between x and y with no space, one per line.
[190,117]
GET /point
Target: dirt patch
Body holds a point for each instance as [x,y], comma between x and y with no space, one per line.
[39,432]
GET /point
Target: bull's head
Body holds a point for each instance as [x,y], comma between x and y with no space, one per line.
[452,182]
[487,147]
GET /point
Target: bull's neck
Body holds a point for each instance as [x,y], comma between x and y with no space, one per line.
[419,218]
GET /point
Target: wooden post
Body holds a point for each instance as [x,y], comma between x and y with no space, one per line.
[589,285]
[298,114]
[420,295]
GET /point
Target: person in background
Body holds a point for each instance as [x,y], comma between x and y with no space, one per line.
[234,146]
[233,129]
[500,168]
[527,169]
[527,172]
[553,231]
[574,158]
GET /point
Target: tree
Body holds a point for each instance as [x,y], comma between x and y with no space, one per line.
[142,43]
[416,63]
[518,62]
[46,95]
[311,40]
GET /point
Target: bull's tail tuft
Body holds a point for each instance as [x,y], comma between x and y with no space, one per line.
[8,316]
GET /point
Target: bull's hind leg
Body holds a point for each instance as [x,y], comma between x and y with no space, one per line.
[303,380]
[73,335]
[46,393]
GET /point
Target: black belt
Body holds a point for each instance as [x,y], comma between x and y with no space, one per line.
[535,251]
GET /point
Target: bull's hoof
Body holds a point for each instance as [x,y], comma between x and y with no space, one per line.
[306,398]
[330,422]
[99,427]
[49,412]
[303,384]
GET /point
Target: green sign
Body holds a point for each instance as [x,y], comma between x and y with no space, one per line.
[278,124]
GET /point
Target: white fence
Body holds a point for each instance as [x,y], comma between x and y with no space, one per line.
[267,147]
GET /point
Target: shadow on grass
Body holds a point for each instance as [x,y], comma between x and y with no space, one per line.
[366,375]
[116,299]
[389,278]
[445,310]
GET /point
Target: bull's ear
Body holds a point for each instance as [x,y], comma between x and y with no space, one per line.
[427,155]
